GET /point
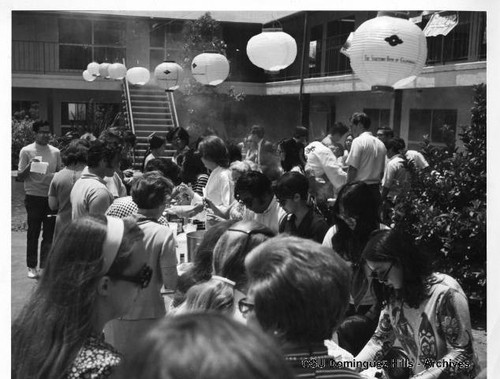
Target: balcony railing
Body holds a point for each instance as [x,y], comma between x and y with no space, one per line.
[35,57]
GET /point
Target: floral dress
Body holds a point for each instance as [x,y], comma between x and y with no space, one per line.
[436,336]
[95,360]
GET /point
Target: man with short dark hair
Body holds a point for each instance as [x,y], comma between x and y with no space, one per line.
[266,157]
[254,190]
[302,220]
[384,133]
[90,194]
[338,131]
[366,160]
[37,164]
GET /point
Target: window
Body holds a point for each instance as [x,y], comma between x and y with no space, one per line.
[337,33]
[315,50]
[25,109]
[482,35]
[84,41]
[166,40]
[378,117]
[428,122]
[73,113]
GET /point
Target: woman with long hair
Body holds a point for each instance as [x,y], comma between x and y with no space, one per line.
[355,216]
[289,152]
[426,311]
[94,272]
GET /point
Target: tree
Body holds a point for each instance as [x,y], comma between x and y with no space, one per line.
[445,210]
[202,107]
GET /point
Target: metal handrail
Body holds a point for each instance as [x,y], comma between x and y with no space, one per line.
[129,103]
[170,94]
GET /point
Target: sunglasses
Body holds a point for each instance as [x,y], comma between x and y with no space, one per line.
[383,277]
[245,307]
[142,278]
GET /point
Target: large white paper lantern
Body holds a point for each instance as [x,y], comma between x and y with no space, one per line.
[138,76]
[168,75]
[210,68]
[117,71]
[88,76]
[93,68]
[104,70]
[272,50]
[388,52]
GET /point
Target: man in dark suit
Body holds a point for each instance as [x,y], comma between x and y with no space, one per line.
[266,157]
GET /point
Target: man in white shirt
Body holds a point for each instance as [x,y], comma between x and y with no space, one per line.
[253,189]
[366,160]
[37,164]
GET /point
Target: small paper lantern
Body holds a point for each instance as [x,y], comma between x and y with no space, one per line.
[168,75]
[210,68]
[93,68]
[104,70]
[388,52]
[88,76]
[272,50]
[117,71]
[138,76]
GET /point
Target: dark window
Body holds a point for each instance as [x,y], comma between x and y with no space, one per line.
[108,54]
[337,33]
[482,35]
[73,57]
[315,50]
[378,117]
[72,30]
[428,122]
[109,33]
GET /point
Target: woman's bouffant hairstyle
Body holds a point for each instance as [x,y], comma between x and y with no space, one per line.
[151,190]
[399,249]
[55,323]
[206,345]
[214,149]
[300,288]
[357,201]
[233,246]
[201,269]
[75,152]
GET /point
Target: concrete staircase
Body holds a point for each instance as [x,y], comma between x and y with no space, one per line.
[152,111]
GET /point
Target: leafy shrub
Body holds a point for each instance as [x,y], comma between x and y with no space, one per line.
[22,135]
[445,210]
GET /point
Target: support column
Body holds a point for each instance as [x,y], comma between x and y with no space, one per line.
[397,105]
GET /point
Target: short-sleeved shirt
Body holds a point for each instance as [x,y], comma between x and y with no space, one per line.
[417,158]
[38,184]
[396,177]
[89,196]
[313,226]
[271,217]
[367,155]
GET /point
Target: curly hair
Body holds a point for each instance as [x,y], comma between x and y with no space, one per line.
[395,247]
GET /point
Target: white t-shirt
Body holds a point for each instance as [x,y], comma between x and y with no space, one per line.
[396,178]
[271,217]
[367,155]
[417,158]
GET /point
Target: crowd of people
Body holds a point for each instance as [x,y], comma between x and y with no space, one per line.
[298,274]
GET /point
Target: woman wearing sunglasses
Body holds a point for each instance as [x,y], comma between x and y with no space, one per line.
[94,273]
[427,312]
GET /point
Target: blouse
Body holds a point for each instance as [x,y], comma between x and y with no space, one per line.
[436,336]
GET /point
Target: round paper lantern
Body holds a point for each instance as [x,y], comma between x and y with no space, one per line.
[168,75]
[117,71]
[388,52]
[104,70]
[93,68]
[88,76]
[138,76]
[210,68]
[272,50]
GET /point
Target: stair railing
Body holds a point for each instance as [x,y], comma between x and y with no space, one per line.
[170,95]
[130,116]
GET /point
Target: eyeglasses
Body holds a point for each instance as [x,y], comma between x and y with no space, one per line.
[245,307]
[383,277]
[142,278]
[250,229]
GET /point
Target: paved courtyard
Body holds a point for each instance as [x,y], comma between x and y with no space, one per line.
[21,286]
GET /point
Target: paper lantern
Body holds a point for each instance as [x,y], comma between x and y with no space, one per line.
[88,76]
[168,75]
[93,68]
[388,52]
[272,50]
[138,76]
[210,68]
[104,70]
[117,71]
